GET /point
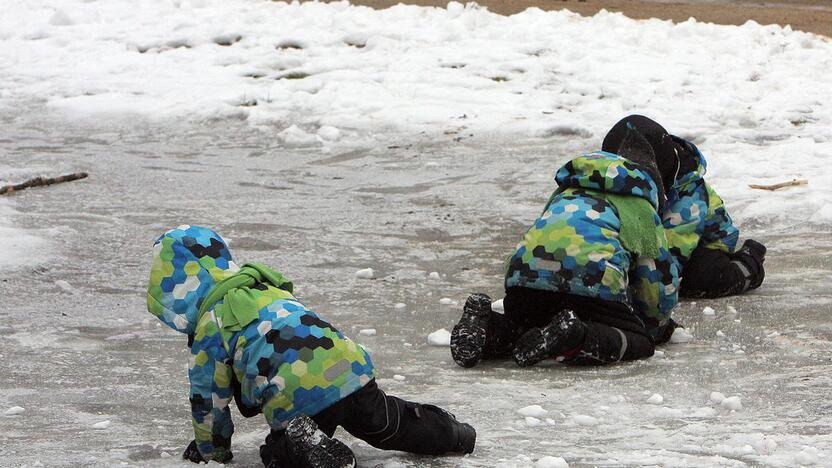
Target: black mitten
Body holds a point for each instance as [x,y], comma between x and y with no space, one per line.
[749,259]
[192,453]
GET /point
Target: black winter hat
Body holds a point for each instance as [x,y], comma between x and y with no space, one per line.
[660,141]
[636,148]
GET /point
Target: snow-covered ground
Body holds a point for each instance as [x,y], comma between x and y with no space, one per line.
[418,143]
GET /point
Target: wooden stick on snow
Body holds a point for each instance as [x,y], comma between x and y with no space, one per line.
[42,181]
[791,183]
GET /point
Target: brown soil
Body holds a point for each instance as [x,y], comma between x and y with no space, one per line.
[806,15]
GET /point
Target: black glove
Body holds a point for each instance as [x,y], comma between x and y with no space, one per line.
[192,453]
[220,455]
[749,259]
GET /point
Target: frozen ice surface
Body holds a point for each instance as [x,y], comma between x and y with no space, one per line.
[440,159]
[440,337]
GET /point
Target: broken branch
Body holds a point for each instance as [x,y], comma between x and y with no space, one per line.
[791,183]
[41,181]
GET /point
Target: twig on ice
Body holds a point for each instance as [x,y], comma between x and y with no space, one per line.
[791,183]
[42,181]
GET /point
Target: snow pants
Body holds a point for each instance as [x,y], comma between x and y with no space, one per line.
[614,331]
[383,421]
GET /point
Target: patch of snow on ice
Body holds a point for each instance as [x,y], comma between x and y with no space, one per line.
[681,335]
[655,399]
[101,425]
[365,273]
[14,411]
[440,337]
[536,411]
[551,462]
[367,332]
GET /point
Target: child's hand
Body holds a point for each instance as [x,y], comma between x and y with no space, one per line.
[192,453]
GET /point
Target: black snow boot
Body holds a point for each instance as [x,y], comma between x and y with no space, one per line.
[315,448]
[561,339]
[468,336]
[749,259]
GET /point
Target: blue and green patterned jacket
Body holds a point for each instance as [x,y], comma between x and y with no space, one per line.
[694,214]
[286,363]
[574,247]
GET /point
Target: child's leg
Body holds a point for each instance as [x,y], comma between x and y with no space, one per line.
[597,332]
[390,423]
[308,442]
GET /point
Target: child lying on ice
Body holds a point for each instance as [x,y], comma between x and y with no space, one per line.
[592,281]
[251,339]
[701,235]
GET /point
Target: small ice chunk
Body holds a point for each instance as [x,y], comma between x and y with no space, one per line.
[101,425]
[440,337]
[532,422]
[732,310]
[585,420]
[497,306]
[681,335]
[808,456]
[329,133]
[446,301]
[658,354]
[399,305]
[709,311]
[65,286]
[773,335]
[434,275]
[717,397]
[14,411]
[720,333]
[164,455]
[535,411]
[365,273]
[655,399]
[731,403]
[367,332]
[398,377]
[551,462]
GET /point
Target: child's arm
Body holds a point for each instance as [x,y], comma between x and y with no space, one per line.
[719,232]
[211,390]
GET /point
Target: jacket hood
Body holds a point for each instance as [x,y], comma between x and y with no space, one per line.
[187,262]
[692,164]
[657,137]
[609,173]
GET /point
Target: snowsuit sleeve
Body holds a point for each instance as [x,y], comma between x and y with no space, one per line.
[696,216]
[211,379]
[655,288]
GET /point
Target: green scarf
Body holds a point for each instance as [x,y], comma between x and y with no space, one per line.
[240,304]
[639,233]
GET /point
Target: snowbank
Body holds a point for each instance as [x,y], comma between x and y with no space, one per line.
[755,98]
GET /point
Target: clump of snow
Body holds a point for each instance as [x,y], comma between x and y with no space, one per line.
[497,306]
[399,305]
[101,425]
[295,136]
[329,133]
[681,335]
[717,397]
[809,456]
[536,411]
[732,310]
[655,399]
[14,411]
[365,273]
[367,332]
[732,403]
[551,462]
[447,301]
[532,421]
[708,311]
[585,420]
[658,354]
[440,337]
[434,275]
[398,377]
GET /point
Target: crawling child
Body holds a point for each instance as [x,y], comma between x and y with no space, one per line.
[253,341]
